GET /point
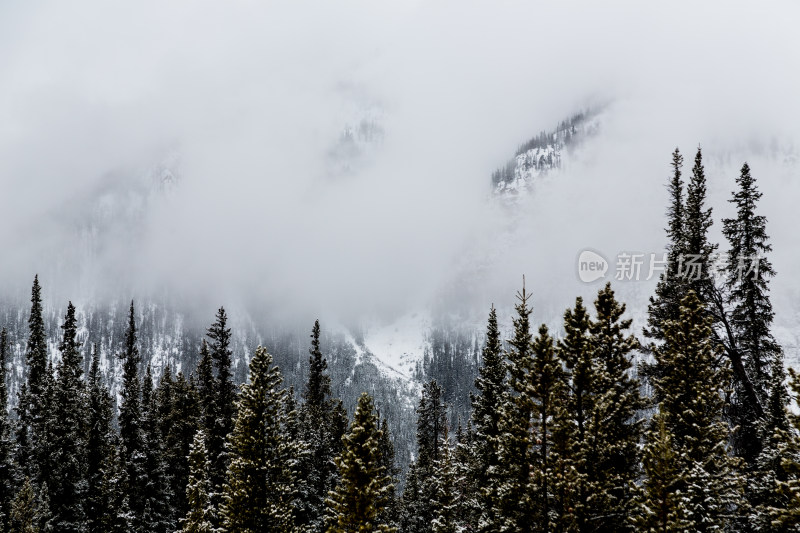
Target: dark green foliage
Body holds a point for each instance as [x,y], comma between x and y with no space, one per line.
[198,517]
[178,418]
[783,507]
[491,386]
[613,431]
[661,508]
[6,444]
[545,388]
[134,456]
[101,470]
[206,390]
[318,388]
[512,505]
[219,395]
[159,516]
[698,251]
[431,423]
[364,487]
[447,518]
[573,486]
[67,480]
[412,506]
[323,422]
[25,515]
[692,407]
[772,467]
[258,492]
[389,515]
[32,406]
[665,305]
[751,314]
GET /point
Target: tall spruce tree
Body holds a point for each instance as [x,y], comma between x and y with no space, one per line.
[751,312]
[67,481]
[563,466]
[545,389]
[783,509]
[661,506]
[412,518]
[446,515]
[6,444]
[613,432]
[692,407]
[780,449]
[199,511]
[665,305]
[323,421]
[363,489]
[387,456]
[698,252]
[207,397]
[431,424]
[25,515]
[258,492]
[490,385]
[575,349]
[159,515]
[134,457]
[101,474]
[32,405]
[219,422]
[513,505]
[179,412]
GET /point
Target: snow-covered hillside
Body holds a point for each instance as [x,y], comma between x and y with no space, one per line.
[389,356]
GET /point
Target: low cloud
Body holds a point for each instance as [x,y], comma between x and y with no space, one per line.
[253,96]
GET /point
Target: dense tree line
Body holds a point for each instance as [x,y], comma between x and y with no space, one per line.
[559,437]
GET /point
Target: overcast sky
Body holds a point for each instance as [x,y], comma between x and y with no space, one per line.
[253,95]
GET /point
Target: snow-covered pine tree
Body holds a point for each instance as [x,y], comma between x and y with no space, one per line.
[698,251]
[323,422]
[614,430]
[198,515]
[67,479]
[779,449]
[225,398]
[6,444]
[31,405]
[491,386]
[566,480]
[178,415]
[512,505]
[446,515]
[692,406]
[784,509]
[573,486]
[100,452]
[363,489]
[545,389]
[258,492]
[660,503]
[465,461]
[665,305]
[389,515]
[412,519]
[158,492]
[431,424]
[24,510]
[130,426]
[751,314]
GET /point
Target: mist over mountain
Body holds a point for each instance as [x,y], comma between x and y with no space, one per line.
[392,170]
